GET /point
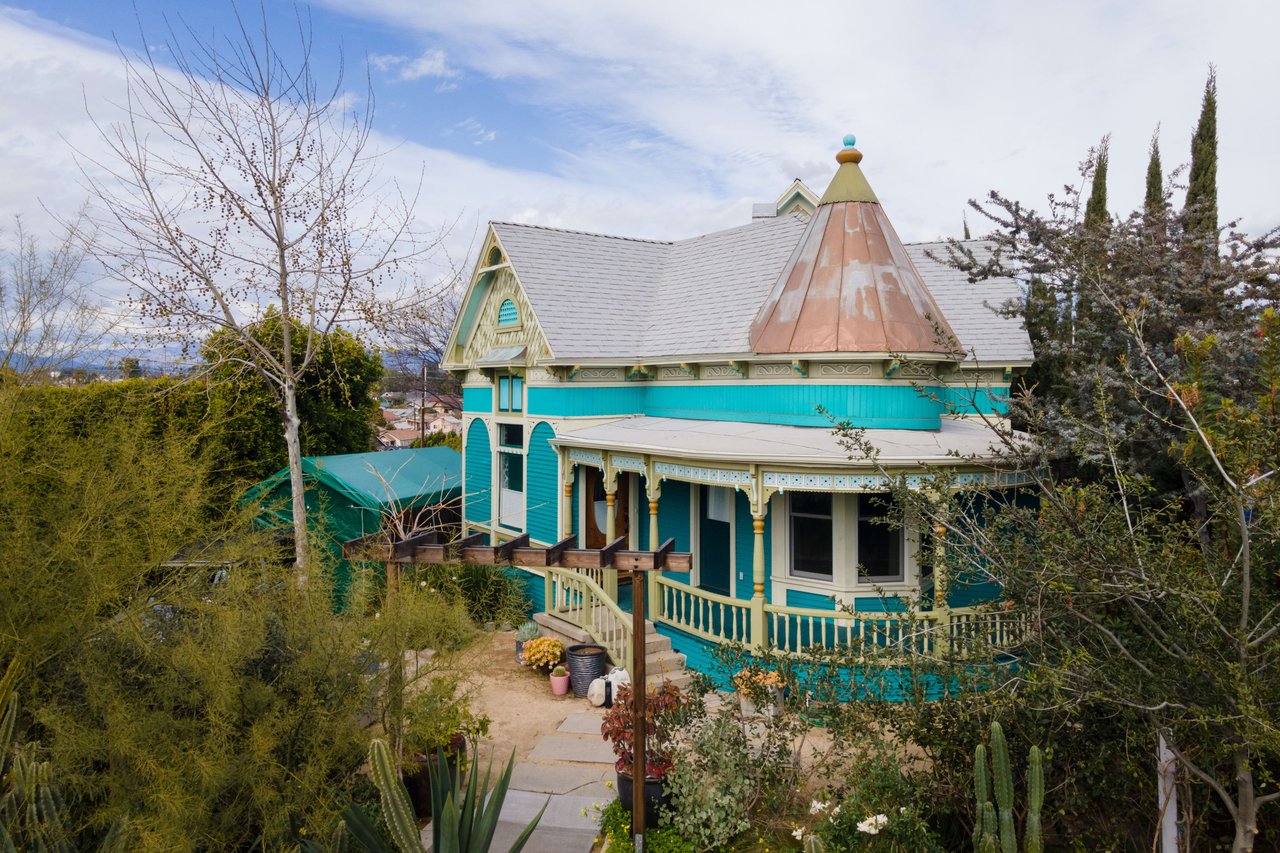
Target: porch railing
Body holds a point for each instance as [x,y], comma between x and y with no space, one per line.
[714,617]
[960,632]
[578,599]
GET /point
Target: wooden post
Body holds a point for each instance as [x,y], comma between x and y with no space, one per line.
[566,527]
[941,587]
[759,627]
[1167,796]
[639,693]
[610,534]
[653,546]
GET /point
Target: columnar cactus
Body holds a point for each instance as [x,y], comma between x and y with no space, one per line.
[1002,777]
[397,811]
[1031,838]
[994,829]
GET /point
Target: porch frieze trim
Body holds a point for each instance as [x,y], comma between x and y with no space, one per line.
[586,457]
[805,481]
[627,462]
[700,474]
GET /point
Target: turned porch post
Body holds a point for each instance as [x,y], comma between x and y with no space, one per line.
[566,517]
[653,490]
[941,578]
[759,627]
[610,575]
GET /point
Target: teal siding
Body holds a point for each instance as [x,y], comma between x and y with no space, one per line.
[881,406]
[809,600]
[585,400]
[478,458]
[573,503]
[744,539]
[642,514]
[533,587]
[478,400]
[542,486]
[673,519]
[985,401]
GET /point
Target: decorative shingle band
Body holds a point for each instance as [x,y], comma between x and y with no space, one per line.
[586,457]
[626,462]
[699,474]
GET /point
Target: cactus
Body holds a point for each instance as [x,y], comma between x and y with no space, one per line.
[814,844]
[396,808]
[981,791]
[994,830]
[990,841]
[1002,782]
[1031,836]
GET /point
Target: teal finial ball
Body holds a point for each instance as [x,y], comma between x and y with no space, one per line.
[850,140]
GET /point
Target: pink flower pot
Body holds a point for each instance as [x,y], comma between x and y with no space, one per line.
[559,684]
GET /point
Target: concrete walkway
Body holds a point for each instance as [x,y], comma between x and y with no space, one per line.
[567,770]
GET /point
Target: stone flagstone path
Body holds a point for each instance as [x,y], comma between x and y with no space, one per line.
[567,770]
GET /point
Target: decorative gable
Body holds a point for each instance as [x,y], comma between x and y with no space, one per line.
[496,325]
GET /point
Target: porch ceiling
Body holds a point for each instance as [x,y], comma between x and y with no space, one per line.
[788,445]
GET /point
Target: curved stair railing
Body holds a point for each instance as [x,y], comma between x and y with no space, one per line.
[578,599]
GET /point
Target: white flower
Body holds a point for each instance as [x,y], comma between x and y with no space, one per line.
[422,583]
[798,833]
[817,807]
[873,824]
[377,615]
[902,810]
[835,811]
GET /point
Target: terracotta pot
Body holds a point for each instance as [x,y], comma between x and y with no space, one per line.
[559,684]
[655,797]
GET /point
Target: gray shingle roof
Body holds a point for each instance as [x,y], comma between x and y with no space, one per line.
[647,300]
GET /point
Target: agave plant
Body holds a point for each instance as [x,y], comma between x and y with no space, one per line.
[462,823]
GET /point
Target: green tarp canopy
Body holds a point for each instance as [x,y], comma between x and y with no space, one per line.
[348,496]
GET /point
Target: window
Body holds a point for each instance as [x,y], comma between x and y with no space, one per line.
[507,314]
[811,539]
[880,548]
[510,393]
[511,435]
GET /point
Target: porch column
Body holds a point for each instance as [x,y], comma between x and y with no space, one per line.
[653,490]
[610,576]
[759,626]
[566,528]
[941,576]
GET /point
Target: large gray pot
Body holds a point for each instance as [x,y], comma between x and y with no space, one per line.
[587,662]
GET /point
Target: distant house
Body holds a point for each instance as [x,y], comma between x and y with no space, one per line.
[353,495]
[391,439]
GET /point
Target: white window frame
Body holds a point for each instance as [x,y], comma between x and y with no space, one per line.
[511,504]
[791,551]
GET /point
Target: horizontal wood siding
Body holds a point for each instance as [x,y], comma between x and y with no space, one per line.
[542,485]
[478,400]
[809,600]
[478,458]
[533,588]
[881,406]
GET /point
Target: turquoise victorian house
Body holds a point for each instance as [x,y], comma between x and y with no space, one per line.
[625,392]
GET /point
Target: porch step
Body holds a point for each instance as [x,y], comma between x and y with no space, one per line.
[661,662]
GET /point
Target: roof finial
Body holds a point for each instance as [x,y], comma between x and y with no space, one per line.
[849,154]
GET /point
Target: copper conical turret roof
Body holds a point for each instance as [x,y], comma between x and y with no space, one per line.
[849,286]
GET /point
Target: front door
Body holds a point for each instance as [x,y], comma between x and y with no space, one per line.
[598,507]
[714,569]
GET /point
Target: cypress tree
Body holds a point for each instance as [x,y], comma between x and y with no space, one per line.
[1153,204]
[1202,188]
[1095,210]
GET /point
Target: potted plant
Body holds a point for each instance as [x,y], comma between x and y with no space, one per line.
[543,653]
[559,681]
[438,721]
[526,632]
[586,664]
[759,689]
[664,709]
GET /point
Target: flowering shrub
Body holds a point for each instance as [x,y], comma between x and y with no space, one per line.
[877,809]
[747,679]
[664,709]
[543,653]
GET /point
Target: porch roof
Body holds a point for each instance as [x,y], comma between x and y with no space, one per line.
[774,443]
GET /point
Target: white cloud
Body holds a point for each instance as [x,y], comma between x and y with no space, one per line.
[431,63]
[948,100]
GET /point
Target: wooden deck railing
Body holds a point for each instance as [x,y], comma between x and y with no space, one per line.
[704,614]
[575,597]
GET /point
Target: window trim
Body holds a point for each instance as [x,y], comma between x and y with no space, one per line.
[900,532]
[830,517]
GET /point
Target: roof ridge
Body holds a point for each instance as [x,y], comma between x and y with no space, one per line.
[583,233]
[755,223]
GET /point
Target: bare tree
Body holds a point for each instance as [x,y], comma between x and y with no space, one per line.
[49,316]
[238,189]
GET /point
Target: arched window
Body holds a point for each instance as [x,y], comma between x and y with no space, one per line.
[507,313]
[495,256]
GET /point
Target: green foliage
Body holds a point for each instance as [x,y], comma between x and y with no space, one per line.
[1032,837]
[336,403]
[712,784]
[439,714]
[615,824]
[1154,206]
[489,593]
[879,806]
[527,631]
[666,708]
[1202,182]
[462,823]
[439,439]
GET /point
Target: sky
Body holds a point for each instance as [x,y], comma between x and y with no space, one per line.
[669,119]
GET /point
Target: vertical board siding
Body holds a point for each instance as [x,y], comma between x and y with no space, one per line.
[479,400]
[642,516]
[985,401]
[542,485]
[673,519]
[476,501]
[882,406]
